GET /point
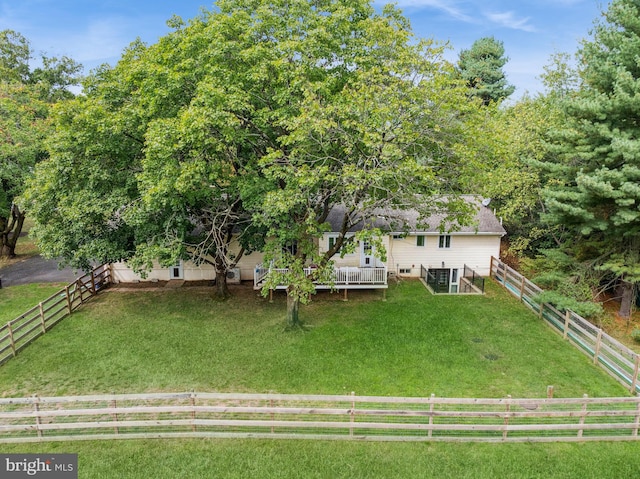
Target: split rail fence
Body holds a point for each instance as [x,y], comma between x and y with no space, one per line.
[614,357]
[347,417]
[20,332]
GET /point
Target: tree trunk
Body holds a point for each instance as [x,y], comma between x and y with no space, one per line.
[222,288]
[10,232]
[293,307]
[626,302]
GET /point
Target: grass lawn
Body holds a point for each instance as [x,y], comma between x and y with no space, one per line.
[16,300]
[335,460]
[414,344]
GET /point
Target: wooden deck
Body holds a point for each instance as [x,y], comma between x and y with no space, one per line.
[344,277]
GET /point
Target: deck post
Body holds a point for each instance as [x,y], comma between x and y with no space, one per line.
[345,295]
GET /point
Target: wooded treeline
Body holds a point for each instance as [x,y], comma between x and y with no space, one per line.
[252,120]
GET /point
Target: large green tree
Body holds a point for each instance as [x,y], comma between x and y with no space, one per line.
[26,96]
[596,156]
[371,126]
[253,120]
[481,66]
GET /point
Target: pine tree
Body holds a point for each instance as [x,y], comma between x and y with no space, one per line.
[481,67]
[597,153]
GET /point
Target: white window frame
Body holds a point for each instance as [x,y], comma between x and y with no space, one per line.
[333,237]
[444,242]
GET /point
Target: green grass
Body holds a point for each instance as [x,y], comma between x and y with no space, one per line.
[320,460]
[414,344]
[16,300]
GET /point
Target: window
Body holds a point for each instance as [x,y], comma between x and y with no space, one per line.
[420,240]
[291,247]
[405,270]
[332,240]
[444,241]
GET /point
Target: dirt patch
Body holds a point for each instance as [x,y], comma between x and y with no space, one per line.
[620,328]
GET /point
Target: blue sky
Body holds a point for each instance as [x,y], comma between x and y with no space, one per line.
[95,32]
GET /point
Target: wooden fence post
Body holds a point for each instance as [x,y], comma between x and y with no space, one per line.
[36,410]
[114,416]
[273,416]
[522,288]
[504,274]
[192,399]
[506,418]
[637,421]
[93,282]
[353,412]
[79,290]
[550,392]
[13,343]
[567,318]
[431,409]
[44,327]
[491,267]
[636,368]
[583,414]
[68,295]
[598,344]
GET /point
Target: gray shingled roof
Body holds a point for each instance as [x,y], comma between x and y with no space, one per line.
[485,222]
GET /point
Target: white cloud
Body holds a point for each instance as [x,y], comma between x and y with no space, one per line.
[449,7]
[100,40]
[509,20]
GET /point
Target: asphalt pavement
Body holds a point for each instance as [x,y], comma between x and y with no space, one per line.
[37,270]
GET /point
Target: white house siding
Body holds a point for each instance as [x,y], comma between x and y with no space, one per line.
[474,250]
[191,272]
[353,259]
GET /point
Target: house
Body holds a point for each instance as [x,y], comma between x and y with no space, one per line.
[417,251]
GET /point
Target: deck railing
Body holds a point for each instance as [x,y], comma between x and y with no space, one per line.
[342,275]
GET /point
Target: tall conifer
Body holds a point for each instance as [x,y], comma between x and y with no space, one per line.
[597,154]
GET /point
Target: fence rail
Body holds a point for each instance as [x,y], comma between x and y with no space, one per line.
[348,417]
[614,357]
[20,332]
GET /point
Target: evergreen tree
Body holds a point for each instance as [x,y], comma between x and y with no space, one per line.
[481,67]
[596,155]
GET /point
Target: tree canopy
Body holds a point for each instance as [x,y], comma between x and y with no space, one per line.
[26,96]
[252,121]
[596,154]
[481,66]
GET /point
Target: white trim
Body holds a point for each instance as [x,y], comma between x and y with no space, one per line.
[177,271]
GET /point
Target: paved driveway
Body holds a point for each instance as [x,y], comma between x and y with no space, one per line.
[36,270]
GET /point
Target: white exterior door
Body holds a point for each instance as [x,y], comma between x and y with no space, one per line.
[176,271]
[367,255]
